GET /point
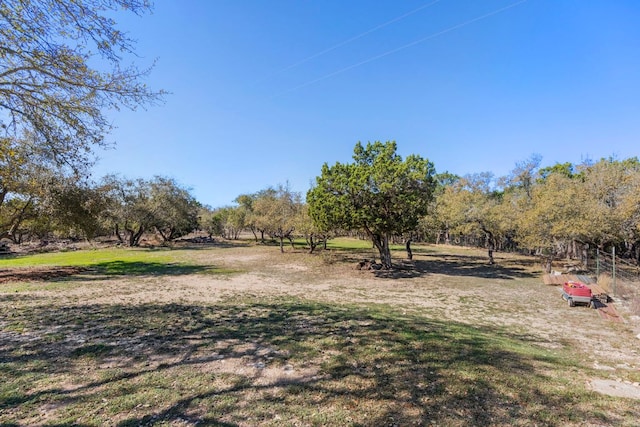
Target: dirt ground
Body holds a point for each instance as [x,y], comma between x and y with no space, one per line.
[37,274]
[458,287]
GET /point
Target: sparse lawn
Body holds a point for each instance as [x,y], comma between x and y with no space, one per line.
[144,338]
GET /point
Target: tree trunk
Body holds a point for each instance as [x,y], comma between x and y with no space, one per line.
[134,236]
[118,235]
[138,235]
[490,244]
[381,242]
[547,266]
[585,255]
[3,194]
[16,220]
[281,245]
[165,238]
[409,253]
[312,243]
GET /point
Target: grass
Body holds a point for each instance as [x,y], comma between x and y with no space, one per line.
[370,364]
[272,358]
[105,262]
[89,258]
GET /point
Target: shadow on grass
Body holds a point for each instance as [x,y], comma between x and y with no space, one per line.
[145,268]
[450,265]
[105,270]
[465,266]
[428,261]
[248,362]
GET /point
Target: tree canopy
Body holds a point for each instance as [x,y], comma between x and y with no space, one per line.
[379,193]
[61,66]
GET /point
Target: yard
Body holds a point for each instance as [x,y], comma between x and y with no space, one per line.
[237,334]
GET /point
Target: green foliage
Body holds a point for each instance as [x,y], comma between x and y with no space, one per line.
[567,169]
[226,222]
[75,208]
[174,209]
[275,211]
[380,193]
[25,180]
[138,206]
[549,210]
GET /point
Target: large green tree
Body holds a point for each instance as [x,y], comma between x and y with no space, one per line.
[63,63]
[379,193]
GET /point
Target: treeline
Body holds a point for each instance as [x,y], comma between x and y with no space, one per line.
[561,211]
[564,210]
[44,203]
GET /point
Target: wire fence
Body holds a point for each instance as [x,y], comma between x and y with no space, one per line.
[619,276]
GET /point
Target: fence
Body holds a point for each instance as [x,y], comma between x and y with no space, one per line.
[620,277]
[618,269]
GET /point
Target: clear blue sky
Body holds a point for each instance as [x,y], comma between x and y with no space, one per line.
[265,92]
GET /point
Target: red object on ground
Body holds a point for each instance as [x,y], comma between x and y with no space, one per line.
[576,289]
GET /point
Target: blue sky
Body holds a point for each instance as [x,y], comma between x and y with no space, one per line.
[263,92]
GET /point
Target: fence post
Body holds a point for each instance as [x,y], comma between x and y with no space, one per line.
[613,257]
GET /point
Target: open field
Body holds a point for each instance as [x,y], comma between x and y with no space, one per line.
[235,334]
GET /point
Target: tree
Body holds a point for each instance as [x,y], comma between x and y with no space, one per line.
[226,222]
[380,193]
[138,206]
[441,218]
[567,169]
[75,208]
[604,184]
[554,216]
[210,222]
[630,211]
[523,175]
[129,210]
[26,176]
[173,208]
[471,205]
[275,211]
[61,66]
[306,227]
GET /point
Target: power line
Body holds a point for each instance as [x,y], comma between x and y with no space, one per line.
[406,46]
[354,38]
[359,36]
